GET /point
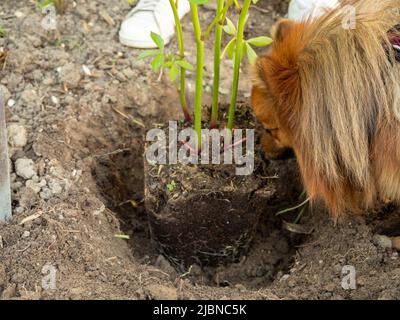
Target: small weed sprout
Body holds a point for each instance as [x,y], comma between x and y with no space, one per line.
[60,5]
[171,186]
[301,208]
[2,32]
[177,65]
[44,3]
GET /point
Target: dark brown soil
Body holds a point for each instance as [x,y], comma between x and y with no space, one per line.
[90,182]
[206,214]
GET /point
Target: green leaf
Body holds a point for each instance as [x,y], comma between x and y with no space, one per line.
[168,64]
[184,64]
[157,40]
[246,19]
[44,4]
[148,53]
[122,236]
[229,28]
[158,62]
[229,49]
[251,54]
[260,41]
[173,72]
[198,2]
[254,1]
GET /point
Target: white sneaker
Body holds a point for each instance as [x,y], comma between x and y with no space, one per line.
[302,10]
[150,16]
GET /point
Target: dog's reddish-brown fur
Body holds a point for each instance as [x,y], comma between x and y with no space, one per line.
[332,95]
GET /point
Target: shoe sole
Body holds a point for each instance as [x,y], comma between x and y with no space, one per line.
[146,45]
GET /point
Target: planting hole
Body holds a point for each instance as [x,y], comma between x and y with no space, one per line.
[120,181]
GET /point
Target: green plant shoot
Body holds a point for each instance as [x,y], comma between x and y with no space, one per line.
[217,67]
[241,47]
[183,65]
[163,61]
[60,5]
[237,47]
[199,68]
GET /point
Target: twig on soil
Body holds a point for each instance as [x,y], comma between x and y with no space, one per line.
[129,117]
[69,146]
[22,250]
[95,60]
[30,218]
[55,90]
[260,9]
[110,74]
[71,231]
[276,176]
[296,228]
[111,258]
[107,18]
[187,272]
[59,225]
[111,153]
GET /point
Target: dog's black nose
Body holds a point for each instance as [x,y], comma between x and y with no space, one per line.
[286,154]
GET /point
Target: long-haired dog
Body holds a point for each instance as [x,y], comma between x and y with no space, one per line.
[331,94]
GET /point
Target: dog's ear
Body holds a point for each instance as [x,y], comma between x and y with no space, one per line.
[258,74]
[284,28]
[281,29]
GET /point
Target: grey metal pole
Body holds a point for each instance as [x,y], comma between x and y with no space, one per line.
[5,189]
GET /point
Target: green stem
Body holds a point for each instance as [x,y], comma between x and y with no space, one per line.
[238,59]
[219,18]
[217,64]
[237,5]
[179,34]
[199,72]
